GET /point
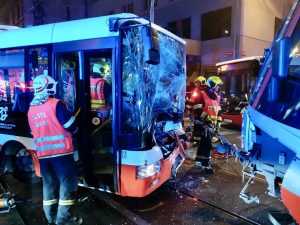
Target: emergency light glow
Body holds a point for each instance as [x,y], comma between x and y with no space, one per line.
[224,67]
[148,170]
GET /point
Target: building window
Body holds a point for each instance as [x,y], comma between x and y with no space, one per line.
[278,23]
[68,15]
[128,8]
[123,8]
[216,24]
[111,12]
[147,4]
[181,28]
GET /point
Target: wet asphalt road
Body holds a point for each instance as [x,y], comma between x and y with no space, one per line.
[176,202]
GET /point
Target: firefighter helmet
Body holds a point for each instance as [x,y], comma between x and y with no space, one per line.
[201,79]
[214,81]
[101,68]
[44,85]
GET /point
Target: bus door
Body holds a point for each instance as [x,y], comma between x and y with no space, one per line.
[86,88]
[98,78]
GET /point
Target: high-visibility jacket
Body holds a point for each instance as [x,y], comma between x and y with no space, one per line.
[97,93]
[195,94]
[212,107]
[50,137]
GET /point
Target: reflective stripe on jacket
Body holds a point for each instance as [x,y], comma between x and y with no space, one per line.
[97,93]
[211,107]
[50,137]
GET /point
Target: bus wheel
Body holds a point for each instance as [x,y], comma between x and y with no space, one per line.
[24,167]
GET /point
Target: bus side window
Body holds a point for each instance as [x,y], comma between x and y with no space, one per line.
[38,62]
[22,91]
[3,95]
[67,70]
[22,101]
[11,75]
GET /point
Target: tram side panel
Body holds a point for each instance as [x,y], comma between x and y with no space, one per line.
[271,128]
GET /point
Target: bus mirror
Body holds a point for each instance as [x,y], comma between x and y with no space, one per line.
[33,59]
[280,57]
[113,24]
[273,90]
[151,47]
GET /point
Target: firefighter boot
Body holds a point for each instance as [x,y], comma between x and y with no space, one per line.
[74,220]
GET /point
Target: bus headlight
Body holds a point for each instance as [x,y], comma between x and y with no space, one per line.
[148,170]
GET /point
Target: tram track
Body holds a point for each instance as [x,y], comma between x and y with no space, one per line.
[137,219]
[224,211]
[190,194]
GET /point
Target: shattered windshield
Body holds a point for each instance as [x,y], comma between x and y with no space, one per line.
[151,92]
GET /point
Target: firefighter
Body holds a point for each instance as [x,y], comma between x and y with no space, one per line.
[199,85]
[100,90]
[52,126]
[193,90]
[206,112]
[200,82]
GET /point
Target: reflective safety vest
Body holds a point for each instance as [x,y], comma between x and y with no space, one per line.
[211,107]
[97,93]
[49,135]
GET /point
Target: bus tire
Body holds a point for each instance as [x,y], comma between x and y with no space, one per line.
[24,168]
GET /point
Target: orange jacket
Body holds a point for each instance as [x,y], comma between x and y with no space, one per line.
[97,93]
[50,137]
[211,107]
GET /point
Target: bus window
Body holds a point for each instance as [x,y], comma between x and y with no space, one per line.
[233,86]
[286,110]
[22,91]
[67,67]
[294,67]
[98,68]
[99,63]
[238,78]
[38,61]
[11,74]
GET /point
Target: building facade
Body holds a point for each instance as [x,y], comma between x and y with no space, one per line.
[215,30]
[11,12]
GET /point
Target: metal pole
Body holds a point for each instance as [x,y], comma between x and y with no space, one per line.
[152,11]
[236,29]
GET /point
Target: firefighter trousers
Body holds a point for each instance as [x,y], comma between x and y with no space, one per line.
[60,181]
[204,147]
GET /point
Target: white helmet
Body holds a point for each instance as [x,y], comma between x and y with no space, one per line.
[44,85]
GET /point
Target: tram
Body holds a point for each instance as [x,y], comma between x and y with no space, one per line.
[140,144]
[271,122]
